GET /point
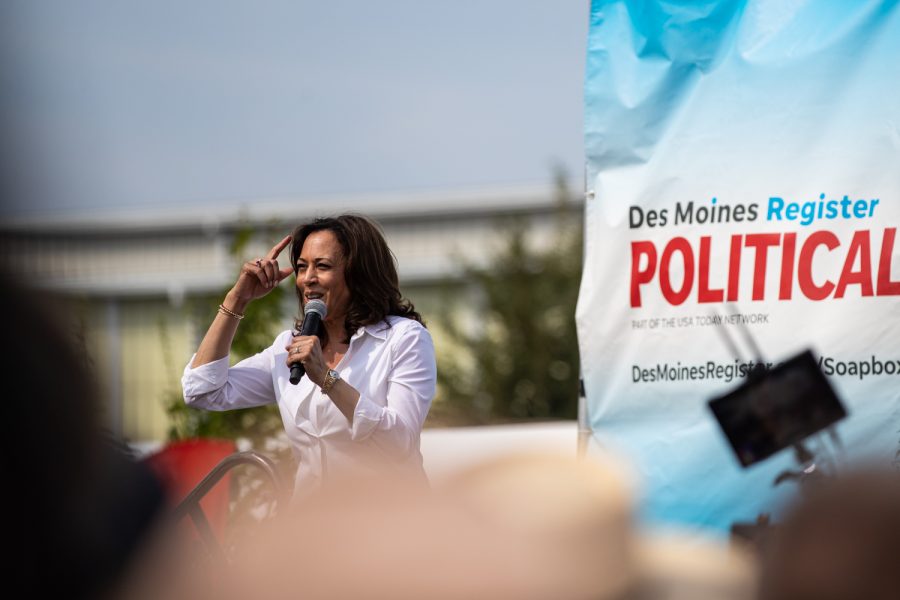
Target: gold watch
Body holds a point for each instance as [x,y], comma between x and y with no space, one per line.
[331,377]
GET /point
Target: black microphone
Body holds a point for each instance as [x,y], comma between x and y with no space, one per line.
[313,313]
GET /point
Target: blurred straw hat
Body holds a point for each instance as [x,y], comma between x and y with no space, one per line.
[579,512]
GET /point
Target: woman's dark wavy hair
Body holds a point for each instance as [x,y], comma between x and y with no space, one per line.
[369,269]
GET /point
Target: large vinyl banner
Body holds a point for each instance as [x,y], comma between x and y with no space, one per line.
[743,183]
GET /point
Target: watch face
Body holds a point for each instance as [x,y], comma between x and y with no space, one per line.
[331,377]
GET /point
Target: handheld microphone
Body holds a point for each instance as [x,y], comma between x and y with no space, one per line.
[313,314]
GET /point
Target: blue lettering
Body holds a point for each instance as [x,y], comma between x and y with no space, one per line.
[776,205]
[807,212]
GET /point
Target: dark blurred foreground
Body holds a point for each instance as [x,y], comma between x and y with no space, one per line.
[80,507]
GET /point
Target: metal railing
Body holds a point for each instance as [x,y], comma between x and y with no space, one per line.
[190,506]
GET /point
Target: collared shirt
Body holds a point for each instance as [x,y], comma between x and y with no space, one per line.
[391,364]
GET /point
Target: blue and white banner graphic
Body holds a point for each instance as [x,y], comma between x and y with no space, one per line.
[743,170]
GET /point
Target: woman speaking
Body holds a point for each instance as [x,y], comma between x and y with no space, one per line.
[370,374]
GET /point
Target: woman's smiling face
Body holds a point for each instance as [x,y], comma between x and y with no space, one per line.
[320,273]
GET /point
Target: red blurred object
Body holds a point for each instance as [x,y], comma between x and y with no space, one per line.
[181,465]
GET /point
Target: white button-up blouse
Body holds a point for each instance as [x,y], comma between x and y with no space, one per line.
[391,364]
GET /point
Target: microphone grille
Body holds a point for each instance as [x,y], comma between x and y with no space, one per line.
[316,306]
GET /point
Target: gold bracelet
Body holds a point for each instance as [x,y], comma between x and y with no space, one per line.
[229,312]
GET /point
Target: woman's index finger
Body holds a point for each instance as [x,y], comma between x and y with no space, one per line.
[277,248]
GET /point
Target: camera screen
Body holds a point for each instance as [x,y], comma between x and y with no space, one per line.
[775,410]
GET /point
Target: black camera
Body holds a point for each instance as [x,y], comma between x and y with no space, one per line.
[777,408]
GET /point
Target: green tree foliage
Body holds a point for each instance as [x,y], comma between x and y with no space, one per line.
[263,320]
[521,362]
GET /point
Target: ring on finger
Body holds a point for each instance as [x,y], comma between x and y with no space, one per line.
[259,263]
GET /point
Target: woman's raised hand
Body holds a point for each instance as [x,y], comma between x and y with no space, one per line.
[261,276]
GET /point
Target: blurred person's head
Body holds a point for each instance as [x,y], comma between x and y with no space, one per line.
[346,262]
[839,542]
[56,413]
[581,514]
[79,505]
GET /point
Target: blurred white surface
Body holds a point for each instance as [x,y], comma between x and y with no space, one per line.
[447,450]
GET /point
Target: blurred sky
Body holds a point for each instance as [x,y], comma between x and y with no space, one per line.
[165,103]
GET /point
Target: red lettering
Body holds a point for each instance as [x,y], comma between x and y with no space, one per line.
[761,242]
[641,276]
[678,244]
[734,267]
[704,294]
[859,245]
[886,287]
[788,249]
[797,260]
[804,265]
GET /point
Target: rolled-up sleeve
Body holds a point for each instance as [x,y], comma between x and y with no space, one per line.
[216,386]
[396,426]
